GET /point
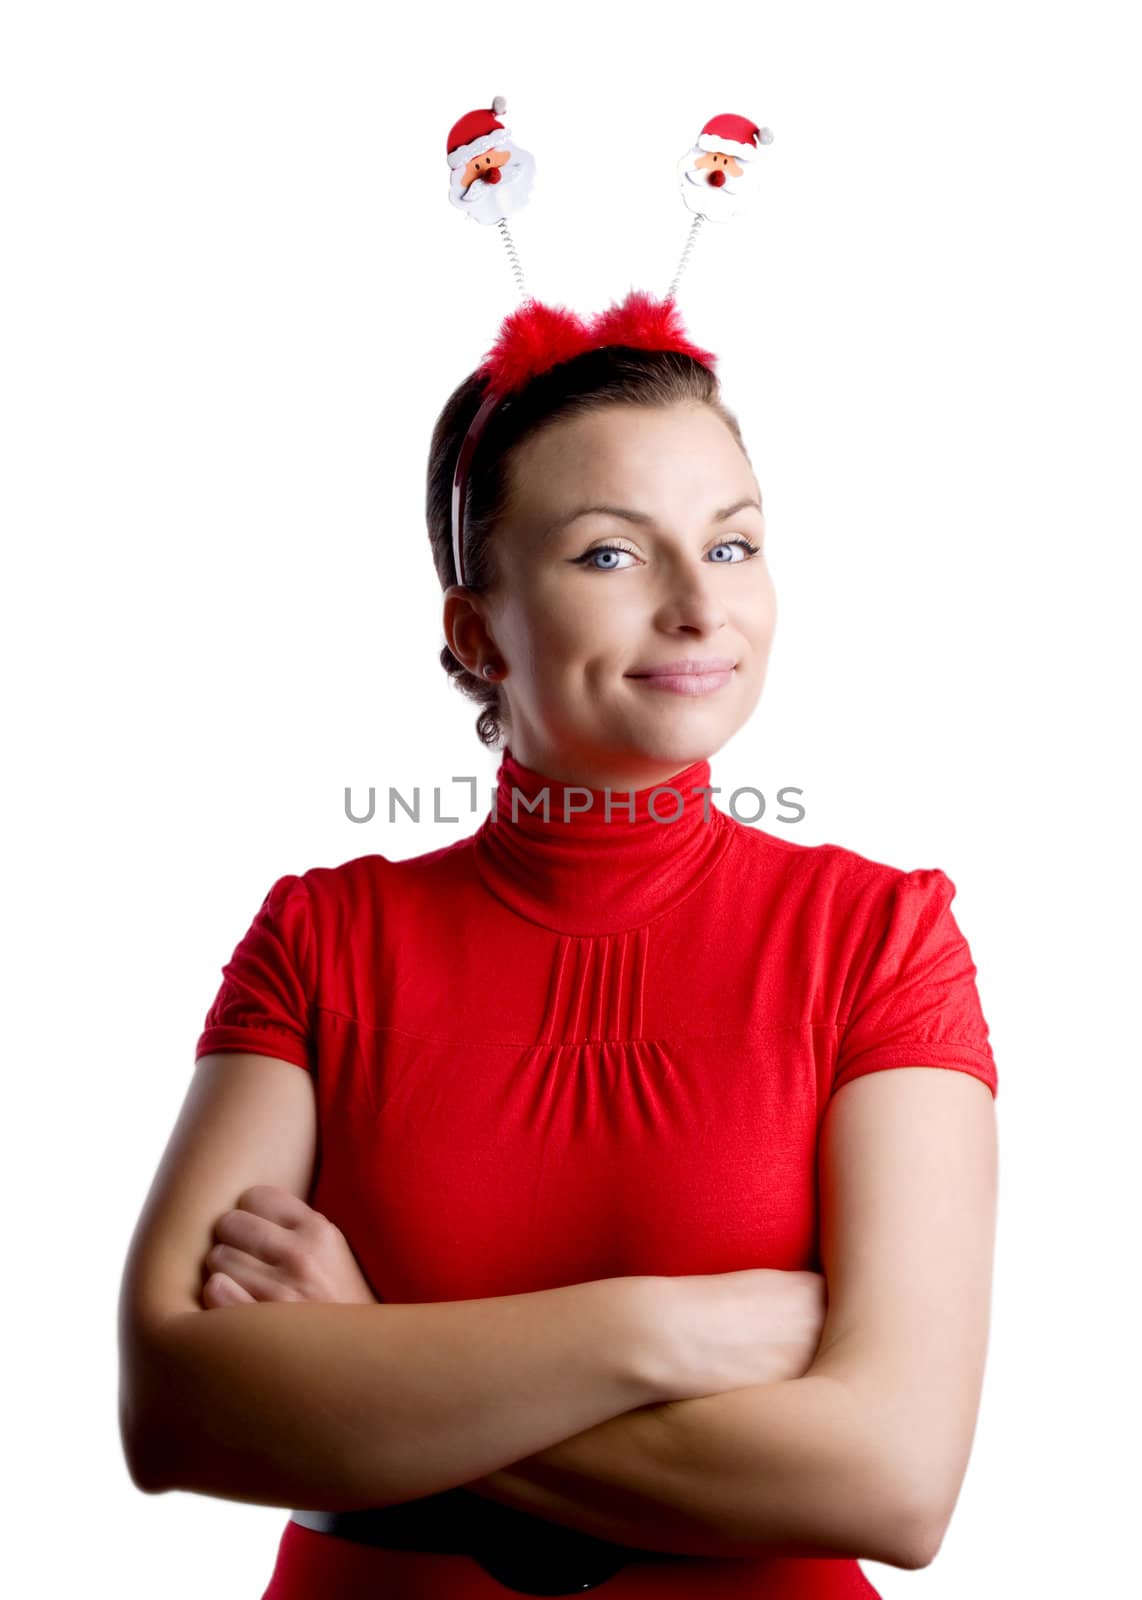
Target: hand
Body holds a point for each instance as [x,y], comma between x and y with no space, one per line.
[273,1246]
[731,1330]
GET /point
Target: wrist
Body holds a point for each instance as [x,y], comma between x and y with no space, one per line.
[653,1358]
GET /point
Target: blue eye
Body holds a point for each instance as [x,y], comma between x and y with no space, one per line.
[602,550]
[745,544]
[587,559]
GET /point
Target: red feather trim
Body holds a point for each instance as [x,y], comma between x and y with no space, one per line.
[647,324]
[531,339]
[535,337]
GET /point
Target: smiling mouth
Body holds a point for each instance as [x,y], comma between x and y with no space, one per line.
[692,684]
[687,669]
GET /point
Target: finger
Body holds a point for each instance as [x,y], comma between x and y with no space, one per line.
[221,1290]
[260,1281]
[268,1241]
[276,1204]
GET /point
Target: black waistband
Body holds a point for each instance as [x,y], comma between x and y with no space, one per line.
[526,1553]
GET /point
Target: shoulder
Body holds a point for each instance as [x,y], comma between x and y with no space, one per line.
[829,871]
[359,919]
[363,886]
[833,899]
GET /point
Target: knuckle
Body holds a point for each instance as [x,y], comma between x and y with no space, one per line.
[326,1233]
[294,1259]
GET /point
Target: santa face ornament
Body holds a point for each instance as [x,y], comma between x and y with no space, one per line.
[491,176]
[715,169]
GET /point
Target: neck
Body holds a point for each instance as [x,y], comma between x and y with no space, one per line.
[589,771]
[582,859]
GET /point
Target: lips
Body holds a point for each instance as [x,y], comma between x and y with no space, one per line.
[686,668]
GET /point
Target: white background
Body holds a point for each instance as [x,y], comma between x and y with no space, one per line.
[236,297]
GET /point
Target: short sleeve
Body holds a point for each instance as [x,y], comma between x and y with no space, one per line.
[915,1004]
[265,1001]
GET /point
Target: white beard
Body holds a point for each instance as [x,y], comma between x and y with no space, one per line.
[715,202]
[489,202]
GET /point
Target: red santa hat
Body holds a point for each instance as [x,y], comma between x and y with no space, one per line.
[476,132]
[736,136]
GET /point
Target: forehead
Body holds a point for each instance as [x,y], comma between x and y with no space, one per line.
[657,454]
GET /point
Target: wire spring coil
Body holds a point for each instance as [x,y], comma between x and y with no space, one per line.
[691,237]
[513,258]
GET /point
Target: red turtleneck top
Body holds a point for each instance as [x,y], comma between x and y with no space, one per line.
[566,1048]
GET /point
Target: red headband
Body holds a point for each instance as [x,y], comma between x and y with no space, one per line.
[536,337]
[491,178]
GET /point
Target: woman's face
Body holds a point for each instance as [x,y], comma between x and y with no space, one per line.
[584,606]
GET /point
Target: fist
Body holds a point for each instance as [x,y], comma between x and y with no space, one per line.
[273,1246]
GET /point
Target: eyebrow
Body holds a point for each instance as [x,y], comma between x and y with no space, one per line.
[641,517]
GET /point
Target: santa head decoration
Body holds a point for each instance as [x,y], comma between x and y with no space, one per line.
[491,177]
[713,169]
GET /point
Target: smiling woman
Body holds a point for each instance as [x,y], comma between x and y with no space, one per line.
[607,1096]
[616,438]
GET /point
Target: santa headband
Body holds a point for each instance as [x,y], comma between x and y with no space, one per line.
[492,177]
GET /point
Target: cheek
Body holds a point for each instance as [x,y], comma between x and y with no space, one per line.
[758,611]
[549,644]
[577,621]
[768,598]
[769,619]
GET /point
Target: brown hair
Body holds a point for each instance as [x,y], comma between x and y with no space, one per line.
[614,375]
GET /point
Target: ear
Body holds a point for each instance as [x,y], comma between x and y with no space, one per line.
[465,631]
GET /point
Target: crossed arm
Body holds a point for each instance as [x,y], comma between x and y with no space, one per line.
[865,1453]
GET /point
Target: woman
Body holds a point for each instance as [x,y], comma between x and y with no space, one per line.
[531,1257]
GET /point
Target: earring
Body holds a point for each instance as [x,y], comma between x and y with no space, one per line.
[489,669]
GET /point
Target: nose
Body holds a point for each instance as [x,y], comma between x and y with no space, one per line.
[689,605]
[492,175]
[717,177]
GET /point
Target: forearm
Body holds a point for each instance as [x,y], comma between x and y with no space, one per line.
[336,1407]
[779,1469]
